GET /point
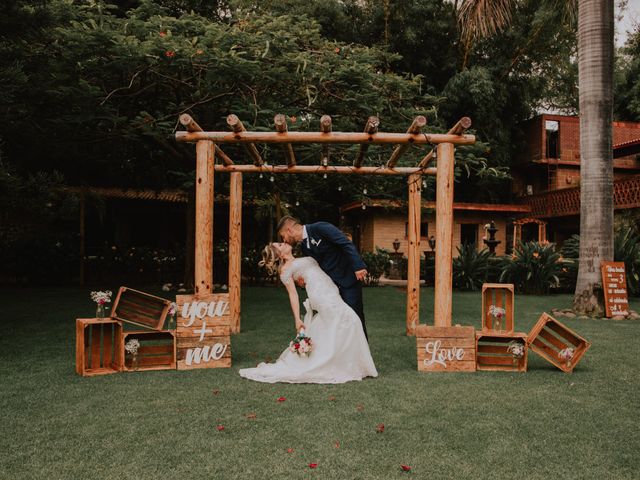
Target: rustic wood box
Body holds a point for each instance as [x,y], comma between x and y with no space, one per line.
[139,308]
[157,350]
[500,295]
[446,349]
[549,337]
[492,351]
[98,345]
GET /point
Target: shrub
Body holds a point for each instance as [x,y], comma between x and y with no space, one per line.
[376,262]
[470,267]
[534,268]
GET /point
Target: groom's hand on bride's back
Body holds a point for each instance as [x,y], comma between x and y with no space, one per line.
[361,274]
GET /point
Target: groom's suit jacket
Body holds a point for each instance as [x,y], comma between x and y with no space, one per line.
[334,252]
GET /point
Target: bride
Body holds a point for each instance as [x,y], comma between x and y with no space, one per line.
[340,350]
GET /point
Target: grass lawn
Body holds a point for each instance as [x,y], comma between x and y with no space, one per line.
[162,425]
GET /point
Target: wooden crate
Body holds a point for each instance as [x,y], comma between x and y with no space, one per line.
[492,352]
[548,337]
[139,308]
[446,349]
[98,345]
[157,350]
[500,295]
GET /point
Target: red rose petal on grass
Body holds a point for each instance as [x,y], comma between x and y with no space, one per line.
[313,465]
[336,444]
[163,34]
[220,428]
[289,450]
[380,428]
[405,468]
[337,50]
[282,399]
[169,54]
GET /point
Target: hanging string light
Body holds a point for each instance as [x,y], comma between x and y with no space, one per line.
[324,176]
[272,179]
[261,176]
[339,188]
[364,191]
[297,203]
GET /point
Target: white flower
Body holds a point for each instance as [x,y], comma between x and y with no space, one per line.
[132,346]
[516,349]
[101,297]
[166,287]
[173,308]
[497,312]
[566,353]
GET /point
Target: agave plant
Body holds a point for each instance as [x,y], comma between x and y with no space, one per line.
[534,268]
[470,267]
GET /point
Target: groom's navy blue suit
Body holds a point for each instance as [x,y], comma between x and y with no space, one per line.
[338,257]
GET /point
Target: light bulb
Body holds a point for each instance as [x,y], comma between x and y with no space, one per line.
[261,176]
[364,207]
[364,191]
[272,179]
[297,203]
[324,176]
[325,162]
[339,188]
[424,184]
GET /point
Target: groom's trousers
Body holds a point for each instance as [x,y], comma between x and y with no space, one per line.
[352,296]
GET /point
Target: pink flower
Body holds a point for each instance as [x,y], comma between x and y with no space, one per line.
[169,54]
[405,468]
[163,34]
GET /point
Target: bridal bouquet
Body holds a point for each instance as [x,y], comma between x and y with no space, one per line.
[301,344]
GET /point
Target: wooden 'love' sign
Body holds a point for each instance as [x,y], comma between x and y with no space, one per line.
[203,331]
[446,349]
[614,284]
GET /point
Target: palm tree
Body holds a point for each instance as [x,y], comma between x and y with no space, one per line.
[478,18]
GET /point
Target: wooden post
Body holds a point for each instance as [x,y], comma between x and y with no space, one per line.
[235,249]
[413,267]
[370,127]
[458,129]
[325,127]
[192,126]
[82,236]
[204,218]
[444,235]
[236,125]
[415,128]
[280,122]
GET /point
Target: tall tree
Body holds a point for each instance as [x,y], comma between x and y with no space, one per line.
[595,73]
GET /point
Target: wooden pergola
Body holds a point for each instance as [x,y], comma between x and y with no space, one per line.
[208,149]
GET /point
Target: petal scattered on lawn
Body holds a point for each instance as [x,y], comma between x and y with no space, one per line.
[331,398]
[336,444]
[380,428]
[313,465]
[220,428]
[289,450]
[405,468]
[282,399]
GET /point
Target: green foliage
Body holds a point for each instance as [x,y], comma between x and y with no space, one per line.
[377,262]
[535,268]
[470,267]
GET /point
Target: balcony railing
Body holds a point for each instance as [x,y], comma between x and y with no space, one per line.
[566,202]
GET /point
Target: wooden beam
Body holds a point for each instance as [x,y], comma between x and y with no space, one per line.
[235,249]
[443,300]
[325,127]
[320,137]
[281,126]
[414,129]
[413,254]
[339,170]
[203,265]
[238,128]
[370,127]
[192,126]
[458,129]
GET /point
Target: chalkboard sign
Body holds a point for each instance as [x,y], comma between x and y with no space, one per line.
[614,283]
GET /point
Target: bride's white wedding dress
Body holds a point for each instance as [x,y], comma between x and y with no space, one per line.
[340,350]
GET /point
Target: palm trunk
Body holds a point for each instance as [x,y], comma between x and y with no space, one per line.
[595,73]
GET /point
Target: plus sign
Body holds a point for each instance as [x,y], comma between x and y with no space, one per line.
[203,330]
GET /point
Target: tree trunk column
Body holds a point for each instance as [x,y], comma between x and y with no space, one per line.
[413,254]
[235,249]
[203,267]
[444,235]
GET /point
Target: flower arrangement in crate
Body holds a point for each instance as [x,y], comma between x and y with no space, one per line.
[101,298]
[131,347]
[516,349]
[171,321]
[301,345]
[566,355]
[497,313]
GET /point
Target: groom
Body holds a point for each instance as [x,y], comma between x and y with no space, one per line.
[336,255]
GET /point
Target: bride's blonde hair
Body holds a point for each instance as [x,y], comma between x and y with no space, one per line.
[271,259]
